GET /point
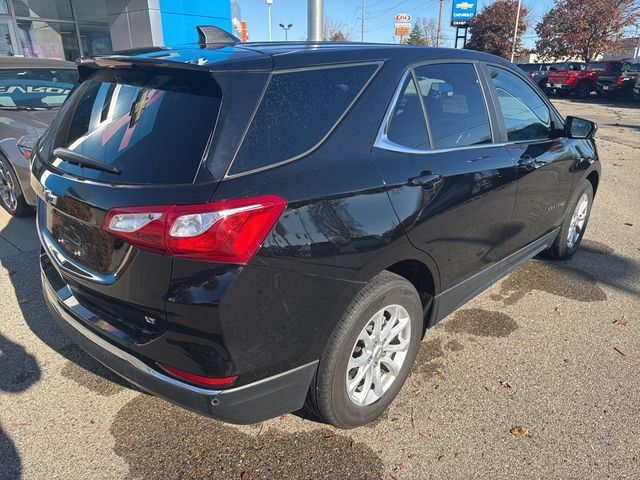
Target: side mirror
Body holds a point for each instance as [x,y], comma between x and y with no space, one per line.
[579,128]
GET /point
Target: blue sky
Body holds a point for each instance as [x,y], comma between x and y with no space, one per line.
[378,18]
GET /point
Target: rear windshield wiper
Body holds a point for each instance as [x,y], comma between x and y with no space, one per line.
[84,161]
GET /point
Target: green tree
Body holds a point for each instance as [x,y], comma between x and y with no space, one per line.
[416,37]
[492,28]
[585,30]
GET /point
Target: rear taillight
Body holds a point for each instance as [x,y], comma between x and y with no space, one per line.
[229,231]
[199,379]
[620,79]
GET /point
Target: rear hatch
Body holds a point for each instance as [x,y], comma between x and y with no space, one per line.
[564,73]
[558,77]
[149,128]
[608,76]
[619,76]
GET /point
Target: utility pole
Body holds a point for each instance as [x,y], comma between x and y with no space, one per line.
[362,21]
[515,32]
[315,16]
[269,3]
[439,34]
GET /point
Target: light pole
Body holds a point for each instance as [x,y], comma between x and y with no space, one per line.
[315,20]
[286,29]
[362,21]
[515,32]
[269,3]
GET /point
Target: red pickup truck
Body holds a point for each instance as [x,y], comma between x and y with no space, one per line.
[579,78]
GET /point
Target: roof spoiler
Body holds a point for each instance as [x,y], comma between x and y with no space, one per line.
[211,34]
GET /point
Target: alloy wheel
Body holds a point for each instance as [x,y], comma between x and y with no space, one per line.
[578,219]
[7,188]
[378,355]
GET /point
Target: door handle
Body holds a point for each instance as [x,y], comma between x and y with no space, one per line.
[426,181]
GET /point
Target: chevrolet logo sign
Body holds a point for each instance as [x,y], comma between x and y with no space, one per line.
[464,5]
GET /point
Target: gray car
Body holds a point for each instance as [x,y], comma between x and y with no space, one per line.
[31,92]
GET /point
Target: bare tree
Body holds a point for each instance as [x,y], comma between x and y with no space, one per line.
[430,31]
[335,31]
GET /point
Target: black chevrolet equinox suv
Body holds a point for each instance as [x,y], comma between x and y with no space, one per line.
[245,229]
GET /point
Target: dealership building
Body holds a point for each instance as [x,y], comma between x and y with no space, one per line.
[68,29]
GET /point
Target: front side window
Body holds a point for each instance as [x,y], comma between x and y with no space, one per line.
[454,103]
[298,110]
[35,88]
[407,125]
[526,115]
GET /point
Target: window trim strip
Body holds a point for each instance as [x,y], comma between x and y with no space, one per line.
[382,140]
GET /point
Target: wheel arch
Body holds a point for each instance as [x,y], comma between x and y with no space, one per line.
[420,277]
[594,179]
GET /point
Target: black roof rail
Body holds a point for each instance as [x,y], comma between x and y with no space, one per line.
[208,34]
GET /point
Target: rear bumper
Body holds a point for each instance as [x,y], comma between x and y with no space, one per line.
[249,403]
[614,88]
[560,86]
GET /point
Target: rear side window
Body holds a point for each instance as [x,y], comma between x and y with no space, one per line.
[298,110]
[408,127]
[153,127]
[35,88]
[526,115]
[456,112]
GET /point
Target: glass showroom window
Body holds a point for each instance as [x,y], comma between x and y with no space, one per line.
[95,39]
[48,39]
[58,9]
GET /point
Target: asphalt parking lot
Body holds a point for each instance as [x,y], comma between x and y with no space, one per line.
[536,378]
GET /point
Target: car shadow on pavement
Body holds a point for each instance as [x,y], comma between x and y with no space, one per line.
[602,263]
[18,371]
[24,273]
[10,464]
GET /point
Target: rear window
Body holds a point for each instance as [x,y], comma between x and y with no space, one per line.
[35,88]
[568,66]
[298,110]
[529,67]
[598,66]
[153,127]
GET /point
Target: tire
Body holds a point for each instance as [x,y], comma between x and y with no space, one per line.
[11,196]
[563,248]
[583,90]
[328,397]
